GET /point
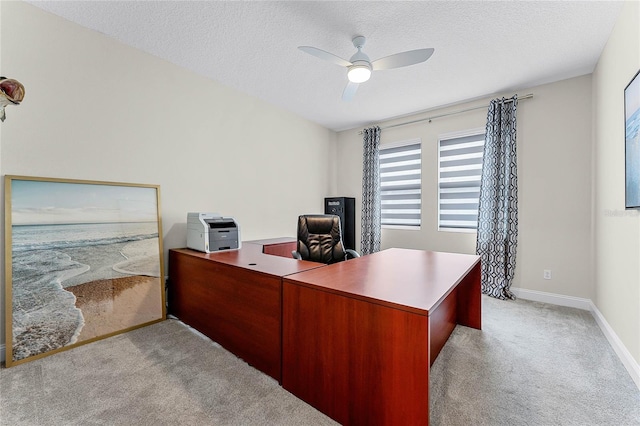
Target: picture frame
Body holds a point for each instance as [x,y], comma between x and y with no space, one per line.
[632,142]
[83,261]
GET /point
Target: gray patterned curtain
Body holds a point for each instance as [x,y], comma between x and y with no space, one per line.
[371,228]
[498,208]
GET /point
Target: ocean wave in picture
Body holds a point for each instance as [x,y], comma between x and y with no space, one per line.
[633,125]
[44,315]
[43,237]
[141,258]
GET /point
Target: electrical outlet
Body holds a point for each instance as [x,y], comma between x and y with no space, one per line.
[547,274]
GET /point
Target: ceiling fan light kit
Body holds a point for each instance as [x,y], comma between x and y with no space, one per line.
[360,66]
[359,72]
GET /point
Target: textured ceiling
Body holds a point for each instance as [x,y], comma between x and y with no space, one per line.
[481,47]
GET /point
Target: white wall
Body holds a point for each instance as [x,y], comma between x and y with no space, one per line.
[617,231]
[554,176]
[98,110]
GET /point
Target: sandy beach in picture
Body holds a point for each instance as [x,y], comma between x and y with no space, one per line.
[85,269]
[116,304]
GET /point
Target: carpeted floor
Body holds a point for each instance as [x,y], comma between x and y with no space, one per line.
[532,364]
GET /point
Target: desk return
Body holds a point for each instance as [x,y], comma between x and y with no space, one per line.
[234,298]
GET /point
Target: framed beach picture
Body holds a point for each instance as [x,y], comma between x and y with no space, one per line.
[632,142]
[83,261]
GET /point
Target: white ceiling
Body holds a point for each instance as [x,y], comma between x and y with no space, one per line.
[481,47]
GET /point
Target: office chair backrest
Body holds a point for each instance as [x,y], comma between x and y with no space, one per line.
[320,238]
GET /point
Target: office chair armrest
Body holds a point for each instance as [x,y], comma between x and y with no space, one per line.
[352,253]
[296,255]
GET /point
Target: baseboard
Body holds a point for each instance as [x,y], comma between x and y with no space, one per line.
[625,356]
[633,368]
[552,298]
[2,358]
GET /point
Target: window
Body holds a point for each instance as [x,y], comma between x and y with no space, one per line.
[459,171]
[401,183]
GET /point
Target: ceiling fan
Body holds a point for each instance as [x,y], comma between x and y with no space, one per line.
[360,66]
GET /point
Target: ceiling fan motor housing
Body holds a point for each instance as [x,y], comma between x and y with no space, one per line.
[360,68]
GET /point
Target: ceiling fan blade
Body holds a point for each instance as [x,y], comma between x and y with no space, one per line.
[402,59]
[349,91]
[319,53]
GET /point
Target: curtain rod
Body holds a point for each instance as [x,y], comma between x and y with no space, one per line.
[527,96]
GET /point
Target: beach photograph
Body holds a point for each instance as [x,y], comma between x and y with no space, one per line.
[85,262]
[632,142]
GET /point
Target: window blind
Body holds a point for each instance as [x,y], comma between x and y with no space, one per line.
[459,172]
[401,184]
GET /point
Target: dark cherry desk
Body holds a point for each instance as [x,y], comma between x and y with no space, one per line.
[235,298]
[353,339]
[277,246]
[359,336]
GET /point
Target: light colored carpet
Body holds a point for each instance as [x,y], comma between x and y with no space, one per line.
[163,374]
[532,364]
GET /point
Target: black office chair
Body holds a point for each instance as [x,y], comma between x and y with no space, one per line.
[320,239]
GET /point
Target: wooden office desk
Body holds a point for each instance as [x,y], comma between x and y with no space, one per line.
[277,246]
[235,298]
[359,336]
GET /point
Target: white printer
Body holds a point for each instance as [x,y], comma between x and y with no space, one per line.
[210,232]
